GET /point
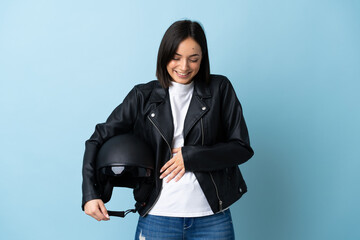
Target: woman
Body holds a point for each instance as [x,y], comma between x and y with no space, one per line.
[194,123]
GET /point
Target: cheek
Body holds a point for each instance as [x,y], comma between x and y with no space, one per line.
[196,67]
[170,66]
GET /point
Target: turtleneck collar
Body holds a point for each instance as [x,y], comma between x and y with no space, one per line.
[179,88]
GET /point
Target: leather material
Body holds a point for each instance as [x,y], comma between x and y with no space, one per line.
[125,150]
[215,133]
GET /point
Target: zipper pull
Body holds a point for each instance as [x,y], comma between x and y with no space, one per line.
[220,205]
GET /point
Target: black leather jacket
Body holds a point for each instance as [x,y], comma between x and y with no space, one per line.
[215,133]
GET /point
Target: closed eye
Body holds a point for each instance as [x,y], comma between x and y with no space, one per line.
[194,60]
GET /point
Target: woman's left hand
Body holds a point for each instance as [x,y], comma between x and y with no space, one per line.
[174,168]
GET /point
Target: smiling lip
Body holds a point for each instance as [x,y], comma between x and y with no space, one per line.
[182,75]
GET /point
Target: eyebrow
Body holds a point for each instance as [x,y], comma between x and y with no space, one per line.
[194,55]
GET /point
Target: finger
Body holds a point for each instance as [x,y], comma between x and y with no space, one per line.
[104,211]
[94,208]
[95,213]
[167,164]
[91,208]
[168,171]
[173,174]
[170,177]
[180,175]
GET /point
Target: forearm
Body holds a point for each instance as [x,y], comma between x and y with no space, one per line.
[216,157]
[89,190]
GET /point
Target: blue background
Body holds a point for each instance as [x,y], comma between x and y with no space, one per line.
[295,65]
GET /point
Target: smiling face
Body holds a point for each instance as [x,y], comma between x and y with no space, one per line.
[185,64]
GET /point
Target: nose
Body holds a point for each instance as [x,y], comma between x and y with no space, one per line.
[184,64]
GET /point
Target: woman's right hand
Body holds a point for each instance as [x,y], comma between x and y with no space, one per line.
[96,209]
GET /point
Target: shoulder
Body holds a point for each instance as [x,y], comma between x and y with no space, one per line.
[219,83]
[148,92]
[149,86]
[219,80]
[145,89]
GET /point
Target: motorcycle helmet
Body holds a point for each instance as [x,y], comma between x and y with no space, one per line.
[125,161]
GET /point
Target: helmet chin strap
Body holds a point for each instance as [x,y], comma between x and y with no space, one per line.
[124,213]
[121,213]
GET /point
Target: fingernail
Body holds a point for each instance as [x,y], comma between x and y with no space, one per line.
[107,215]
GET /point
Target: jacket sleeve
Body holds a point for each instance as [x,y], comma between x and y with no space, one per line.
[234,150]
[121,120]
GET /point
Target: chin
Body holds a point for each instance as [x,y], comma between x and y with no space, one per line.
[186,80]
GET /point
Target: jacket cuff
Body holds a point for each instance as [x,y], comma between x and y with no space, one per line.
[185,156]
[87,198]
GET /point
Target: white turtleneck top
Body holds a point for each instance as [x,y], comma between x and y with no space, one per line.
[184,198]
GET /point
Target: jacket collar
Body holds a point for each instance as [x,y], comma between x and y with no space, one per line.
[201,89]
[197,108]
[158,93]
[161,116]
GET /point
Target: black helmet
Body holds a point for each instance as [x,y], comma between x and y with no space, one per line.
[125,161]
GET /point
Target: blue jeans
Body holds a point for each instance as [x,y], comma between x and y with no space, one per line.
[217,226]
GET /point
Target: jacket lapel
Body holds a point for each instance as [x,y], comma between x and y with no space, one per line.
[197,107]
[161,115]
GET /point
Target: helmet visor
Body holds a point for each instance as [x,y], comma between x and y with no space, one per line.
[126,171]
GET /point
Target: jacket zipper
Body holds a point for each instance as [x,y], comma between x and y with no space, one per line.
[157,198]
[217,192]
[161,134]
[212,179]
[202,132]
